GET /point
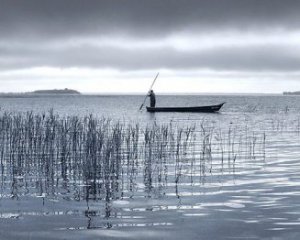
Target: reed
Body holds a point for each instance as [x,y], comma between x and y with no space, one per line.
[98,158]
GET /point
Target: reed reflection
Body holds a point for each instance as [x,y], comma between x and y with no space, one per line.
[91,159]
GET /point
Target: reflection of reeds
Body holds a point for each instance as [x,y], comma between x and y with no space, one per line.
[102,159]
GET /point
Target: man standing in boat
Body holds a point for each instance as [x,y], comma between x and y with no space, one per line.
[151,94]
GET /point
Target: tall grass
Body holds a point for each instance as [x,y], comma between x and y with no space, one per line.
[45,154]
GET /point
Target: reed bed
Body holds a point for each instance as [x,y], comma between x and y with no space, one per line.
[97,158]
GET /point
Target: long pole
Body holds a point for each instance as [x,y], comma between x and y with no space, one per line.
[149,91]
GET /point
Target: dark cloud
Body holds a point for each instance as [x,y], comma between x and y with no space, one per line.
[256,58]
[44,18]
[30,28]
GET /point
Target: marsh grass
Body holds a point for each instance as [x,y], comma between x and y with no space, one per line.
[97,158]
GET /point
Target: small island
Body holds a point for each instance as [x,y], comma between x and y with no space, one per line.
[56,91]
[291,93]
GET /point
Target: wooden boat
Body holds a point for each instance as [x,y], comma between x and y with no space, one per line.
[205,109]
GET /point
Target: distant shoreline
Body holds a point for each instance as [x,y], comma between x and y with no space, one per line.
[65,91]
[55,91]
[291,93]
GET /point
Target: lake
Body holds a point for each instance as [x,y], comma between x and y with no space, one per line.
[97,168]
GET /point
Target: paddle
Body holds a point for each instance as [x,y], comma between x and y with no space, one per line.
[148,91]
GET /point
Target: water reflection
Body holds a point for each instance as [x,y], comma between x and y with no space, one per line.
[104,174]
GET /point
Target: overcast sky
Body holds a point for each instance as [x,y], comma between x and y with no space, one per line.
[120,45]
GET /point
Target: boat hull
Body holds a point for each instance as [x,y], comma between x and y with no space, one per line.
[205,109]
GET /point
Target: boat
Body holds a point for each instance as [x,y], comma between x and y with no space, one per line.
[205,109]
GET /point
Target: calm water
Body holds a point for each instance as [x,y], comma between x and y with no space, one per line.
[248,187]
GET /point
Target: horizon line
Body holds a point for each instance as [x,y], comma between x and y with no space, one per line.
[163,93]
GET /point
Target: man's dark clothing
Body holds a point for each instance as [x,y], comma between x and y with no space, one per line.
[152,99]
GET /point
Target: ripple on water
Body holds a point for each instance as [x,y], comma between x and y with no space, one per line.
[257,190]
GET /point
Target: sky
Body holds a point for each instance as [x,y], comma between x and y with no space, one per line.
[118,46]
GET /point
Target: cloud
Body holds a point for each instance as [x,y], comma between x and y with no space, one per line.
[49,19]
[239,57]
[71,32]
[143,35]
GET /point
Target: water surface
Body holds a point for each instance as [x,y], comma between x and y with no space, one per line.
[245,187]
